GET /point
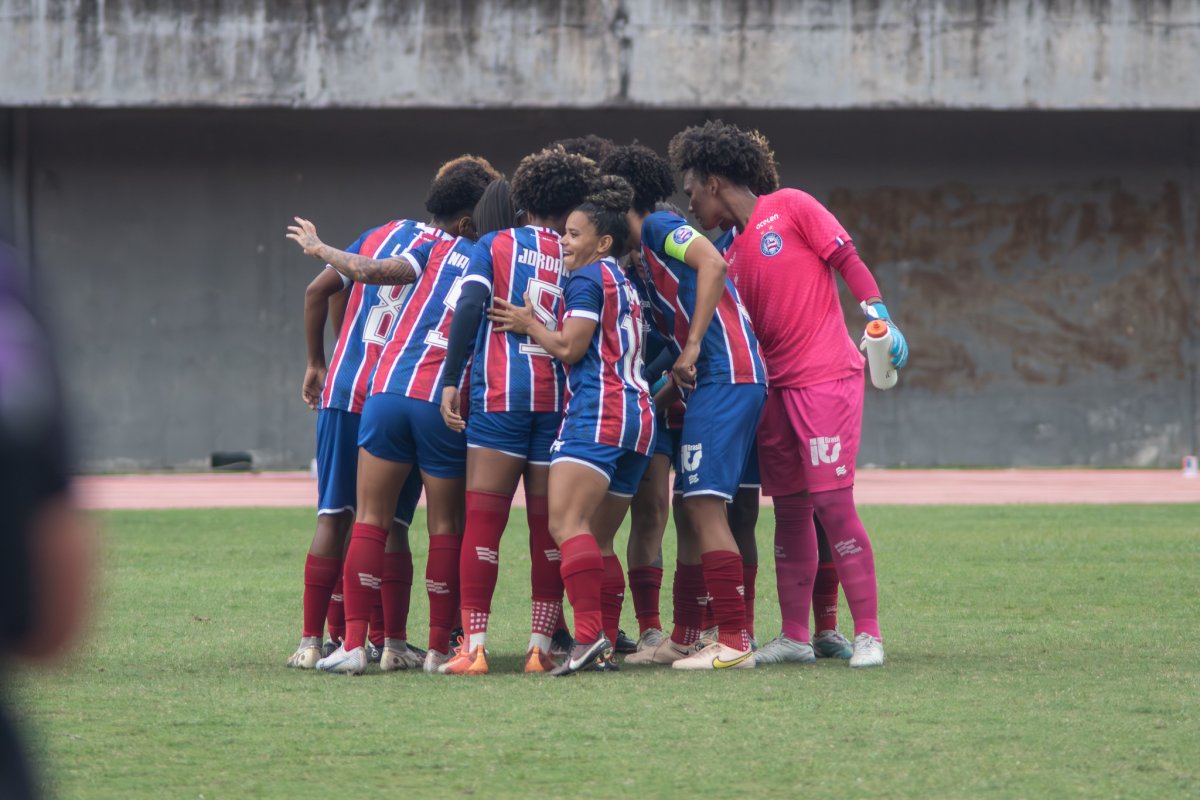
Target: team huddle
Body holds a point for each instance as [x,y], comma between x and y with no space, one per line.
[571,332]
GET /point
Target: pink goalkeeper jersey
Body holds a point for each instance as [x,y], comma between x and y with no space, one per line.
[778,264]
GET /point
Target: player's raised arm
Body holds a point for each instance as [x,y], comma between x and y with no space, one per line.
[380,272]
[317,298]
[710,267]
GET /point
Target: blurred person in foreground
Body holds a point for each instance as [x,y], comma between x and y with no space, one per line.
[45,542]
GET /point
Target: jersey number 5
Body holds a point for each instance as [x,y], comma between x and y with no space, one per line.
[545,298]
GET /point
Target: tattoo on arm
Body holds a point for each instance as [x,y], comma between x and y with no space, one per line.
[377,271]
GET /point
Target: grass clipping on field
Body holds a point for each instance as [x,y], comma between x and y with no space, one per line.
[1033,652]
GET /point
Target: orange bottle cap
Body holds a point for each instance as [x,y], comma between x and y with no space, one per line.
[877,329]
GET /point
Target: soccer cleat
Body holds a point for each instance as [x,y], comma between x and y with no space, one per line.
[561,643]
[433,660]
[328,648]
[868,651]
[649,640]
[398,655]
[708,636]
[666,653]
[456,637]
[537,661]
[605,663]
[624,645]
[307,654]
[581,656]
[782,650]
[831,644]
[345,662]
[466,663]
[717,656]
[374,652]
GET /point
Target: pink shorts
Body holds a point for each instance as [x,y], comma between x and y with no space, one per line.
[808,437]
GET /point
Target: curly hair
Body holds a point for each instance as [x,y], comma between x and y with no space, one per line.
[718,148]
[552,182]
[606,206]
[767,180]
[646,171]
[458,185]
[591,146]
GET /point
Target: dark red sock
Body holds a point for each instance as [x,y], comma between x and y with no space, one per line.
[645,583]
[612,596]
[375,628]
[361,577]
[583,573]
[723,577]
[825,598]
[337,609]
[689,597]
[441,584]
[749,578]
[396,592]
[479,561]
[320,576]
[545,576]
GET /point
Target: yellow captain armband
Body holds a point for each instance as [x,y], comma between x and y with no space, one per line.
[679,240]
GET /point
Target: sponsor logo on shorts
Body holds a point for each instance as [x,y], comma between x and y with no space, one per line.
[770,244]
[554,448]
[825,449]
[690,455]
[487,554]
[681,235]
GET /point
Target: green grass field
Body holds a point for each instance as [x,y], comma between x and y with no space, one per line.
[1034,652]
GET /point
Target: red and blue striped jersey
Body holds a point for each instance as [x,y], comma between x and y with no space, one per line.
[510,372]
[729,352]
[413,360]
[371,315]
[725,241]
[608,401]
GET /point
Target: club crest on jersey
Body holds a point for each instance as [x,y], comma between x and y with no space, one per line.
[770,244]
[681,235]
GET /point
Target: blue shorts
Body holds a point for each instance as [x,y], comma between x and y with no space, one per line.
[337,467]
[410,431]
[623,468]
[750,477]
[523,434]
[719,429]
[666,442]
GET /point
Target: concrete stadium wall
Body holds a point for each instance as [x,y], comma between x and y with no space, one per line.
[993,54]
[1043,265]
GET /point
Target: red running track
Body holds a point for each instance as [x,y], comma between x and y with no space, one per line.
[873,487]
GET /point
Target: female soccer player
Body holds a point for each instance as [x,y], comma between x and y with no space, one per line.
[516,401]
[783,259]
[721,367]
[608,426]
[338,394]
[399,427]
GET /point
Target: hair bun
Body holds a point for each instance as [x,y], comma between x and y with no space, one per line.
[612,193]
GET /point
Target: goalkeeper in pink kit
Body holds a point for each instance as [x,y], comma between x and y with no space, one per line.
[783,259]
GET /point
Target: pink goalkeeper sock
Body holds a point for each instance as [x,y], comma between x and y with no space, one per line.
[795,562]
[851,548]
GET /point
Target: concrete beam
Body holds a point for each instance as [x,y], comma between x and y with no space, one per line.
[826,54]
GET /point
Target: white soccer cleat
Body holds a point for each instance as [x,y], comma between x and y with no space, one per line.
[649,640]
[398,655]
[717,656]
[433,660]
[831,644]
[345,662]
[307,654]
[868,651]
[665,654]
[782,650]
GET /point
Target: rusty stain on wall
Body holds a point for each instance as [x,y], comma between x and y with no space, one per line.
[1060,283]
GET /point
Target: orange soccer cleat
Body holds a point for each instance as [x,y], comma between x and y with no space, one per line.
[466,663]
[538,661]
